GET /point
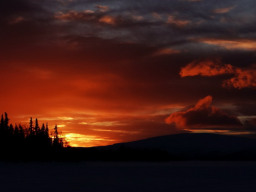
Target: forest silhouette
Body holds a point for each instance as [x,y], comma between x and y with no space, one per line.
[33,142]
[37,143]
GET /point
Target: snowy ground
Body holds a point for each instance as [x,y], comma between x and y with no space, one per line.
[129,177]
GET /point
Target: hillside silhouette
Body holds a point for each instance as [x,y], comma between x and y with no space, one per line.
[195,146]
[35,143]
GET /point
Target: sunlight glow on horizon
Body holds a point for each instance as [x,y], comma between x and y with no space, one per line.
[80,140]
[107,72]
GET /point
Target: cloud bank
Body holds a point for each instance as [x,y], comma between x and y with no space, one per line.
[243,77]
[203,115]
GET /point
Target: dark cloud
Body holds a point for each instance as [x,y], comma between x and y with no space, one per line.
[203,115]
[246,107]
[204,17]
[250,124]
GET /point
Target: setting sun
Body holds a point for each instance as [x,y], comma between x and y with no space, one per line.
[109,72]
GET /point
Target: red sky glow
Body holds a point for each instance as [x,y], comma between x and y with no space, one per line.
[118,71]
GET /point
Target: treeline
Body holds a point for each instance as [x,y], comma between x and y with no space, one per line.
[36,142]
[17,141]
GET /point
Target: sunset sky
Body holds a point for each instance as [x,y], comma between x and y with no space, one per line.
[110,71]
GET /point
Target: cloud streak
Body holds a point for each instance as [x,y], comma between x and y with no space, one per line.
[243,44]
[206,68]
[223,10]
[243,78]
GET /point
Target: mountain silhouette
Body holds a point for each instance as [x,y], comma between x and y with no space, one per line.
[194,145]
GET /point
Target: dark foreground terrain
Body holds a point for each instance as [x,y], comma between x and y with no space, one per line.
[180,147]
[129,177]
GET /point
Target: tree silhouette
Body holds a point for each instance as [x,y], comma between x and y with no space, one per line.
[32,140]
[57,141]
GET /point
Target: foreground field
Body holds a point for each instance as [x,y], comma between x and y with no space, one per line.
[129,177]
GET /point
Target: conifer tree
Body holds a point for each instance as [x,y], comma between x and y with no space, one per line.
[36,127]
[10,129]
[47,130]
[31,140]
[6,120]
[2,119]
[30,130]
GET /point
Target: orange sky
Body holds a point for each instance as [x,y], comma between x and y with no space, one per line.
[118,71]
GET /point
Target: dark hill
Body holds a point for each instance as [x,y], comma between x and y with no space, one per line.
[193,145]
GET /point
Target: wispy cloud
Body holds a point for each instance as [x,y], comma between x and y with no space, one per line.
[178,22]
[206,68]
[243,77]
[239,44]
[223,10]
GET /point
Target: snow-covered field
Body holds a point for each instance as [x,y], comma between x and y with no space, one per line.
[129,177]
